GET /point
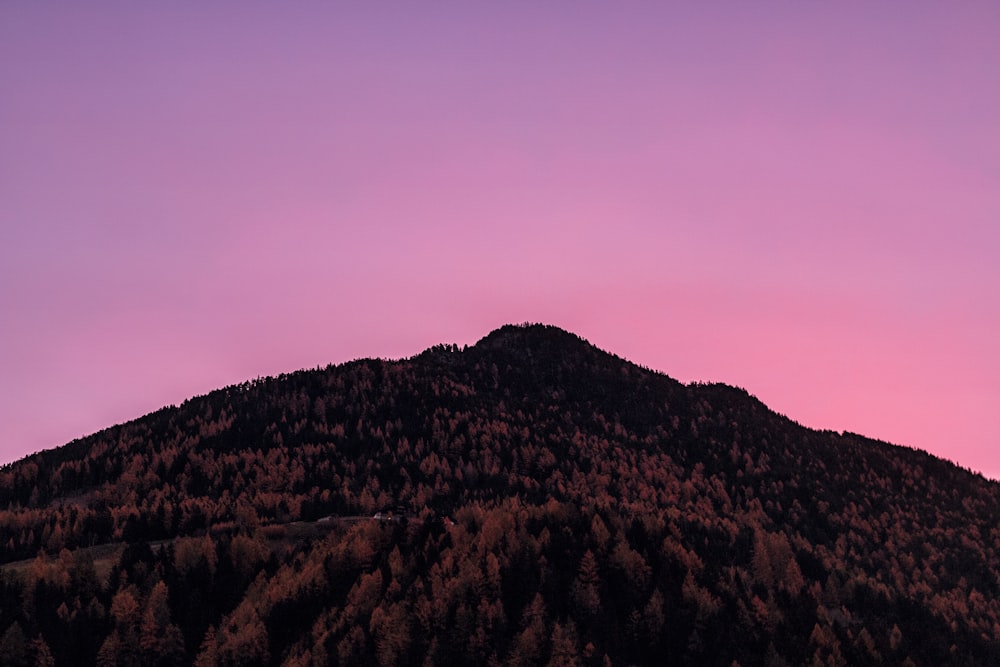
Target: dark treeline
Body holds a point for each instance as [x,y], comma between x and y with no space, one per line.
[551,503]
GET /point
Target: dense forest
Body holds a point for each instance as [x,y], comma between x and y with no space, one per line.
[529,500]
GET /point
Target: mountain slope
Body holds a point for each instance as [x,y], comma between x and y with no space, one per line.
[558,504]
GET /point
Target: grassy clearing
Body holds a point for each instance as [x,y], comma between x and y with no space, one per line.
[104,555]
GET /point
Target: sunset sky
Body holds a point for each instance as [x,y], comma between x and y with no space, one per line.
[799,198]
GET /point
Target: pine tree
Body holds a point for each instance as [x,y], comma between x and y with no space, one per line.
[14,646]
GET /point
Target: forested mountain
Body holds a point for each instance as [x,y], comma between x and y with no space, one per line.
[527,500]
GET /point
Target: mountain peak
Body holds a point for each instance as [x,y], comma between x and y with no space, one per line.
[533,337]
[524,332]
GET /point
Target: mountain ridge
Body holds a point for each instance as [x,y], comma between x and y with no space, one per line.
[497,339]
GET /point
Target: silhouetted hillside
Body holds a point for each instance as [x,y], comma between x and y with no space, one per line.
[527,500]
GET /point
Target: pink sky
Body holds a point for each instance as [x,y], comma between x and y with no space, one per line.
[802,199]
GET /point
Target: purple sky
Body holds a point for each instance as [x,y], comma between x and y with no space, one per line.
[802,199]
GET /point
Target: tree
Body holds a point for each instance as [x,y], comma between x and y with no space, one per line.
[565,651]
[208,651]
[391,631]
[43,655]
[161,641]
[585,593]
[530,643]
[14,646]
[244,642]
[895,637]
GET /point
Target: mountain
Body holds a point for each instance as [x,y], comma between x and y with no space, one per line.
[527,500]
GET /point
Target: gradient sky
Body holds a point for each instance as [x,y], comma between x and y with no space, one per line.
[799,198]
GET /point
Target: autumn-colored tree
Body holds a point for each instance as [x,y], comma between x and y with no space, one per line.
[14,646]
[565,647]
[531,643]
[208,650]
[244,642]
[160,640]
[43,654]
[585,591]
[390,629]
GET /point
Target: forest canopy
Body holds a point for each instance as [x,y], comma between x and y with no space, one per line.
[527,500]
